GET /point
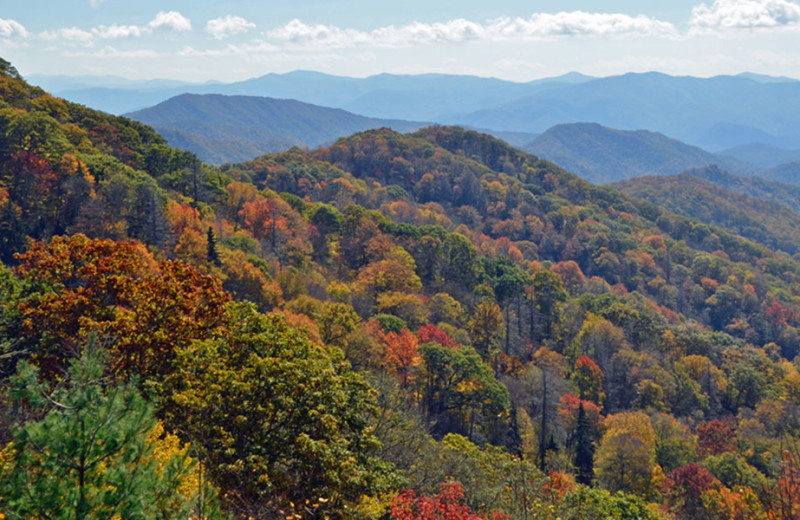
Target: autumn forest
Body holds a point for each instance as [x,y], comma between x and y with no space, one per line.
[432,325]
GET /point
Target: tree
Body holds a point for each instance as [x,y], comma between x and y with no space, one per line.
[715,437]
[143,309]
[401,353]
[626,455]
[589,379]
[548,293]
[551,371]
[88,456]
[212,255]
[336,321]
[279,419]
[447,505]
[584,449]
[486,327]
[784,500]
[430,333]
[460,391]
[683,490]
[598,339]
[598,504]
[675,444]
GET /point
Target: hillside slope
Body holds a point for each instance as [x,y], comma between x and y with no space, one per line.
[600,154]
[212,124]
[766,222]
[408,314]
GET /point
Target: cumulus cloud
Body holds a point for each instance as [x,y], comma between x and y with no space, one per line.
[538,26]
[744,14]
[165,19]
[229,25]
[10,28]
[580,23]
[171,20]
[69,34]
[117,31]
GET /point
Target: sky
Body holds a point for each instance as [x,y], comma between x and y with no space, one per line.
[518,40]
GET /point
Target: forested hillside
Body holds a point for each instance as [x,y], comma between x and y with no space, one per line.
[222,129]
[383,328]
[764,221]
[601,155]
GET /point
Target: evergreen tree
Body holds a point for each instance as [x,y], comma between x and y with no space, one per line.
[213,254]
[88,457]
[584,449]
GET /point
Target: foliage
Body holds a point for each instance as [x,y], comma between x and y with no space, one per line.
[142,309]
[89,456]
[279,419]
[485,292]
[598,504]
[447,505]
[626,454]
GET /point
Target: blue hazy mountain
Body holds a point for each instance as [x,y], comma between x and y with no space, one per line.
[601,154]
[237,128]
[713,113]
[762,154]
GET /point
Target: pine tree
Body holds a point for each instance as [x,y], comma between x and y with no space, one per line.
[584,449]
[213,254]
[88,457]
[514,442]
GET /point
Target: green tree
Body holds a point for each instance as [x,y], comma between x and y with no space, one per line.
[88,456]
[598,504]
[545,305]
[212,255]
[584,449]
[279,419]
[460,392]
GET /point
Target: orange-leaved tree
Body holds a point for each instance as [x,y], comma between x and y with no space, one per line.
[448,504]
[141,309]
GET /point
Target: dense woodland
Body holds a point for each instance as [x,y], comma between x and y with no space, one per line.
[432,325]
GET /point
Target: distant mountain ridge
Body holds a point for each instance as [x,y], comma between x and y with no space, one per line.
[224,129]
[713,113]
[762,154]
[600,154]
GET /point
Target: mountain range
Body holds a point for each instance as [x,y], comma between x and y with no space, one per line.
[714,113]
[224,129]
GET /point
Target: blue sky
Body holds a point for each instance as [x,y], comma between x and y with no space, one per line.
[198,40]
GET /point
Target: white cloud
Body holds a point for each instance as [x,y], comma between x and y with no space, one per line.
[229,25]
[74,35]
[171,20]
[538,26]
[10,28]
[69,34]
[114,31]
[744,14]
[95,3]
[579,23]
